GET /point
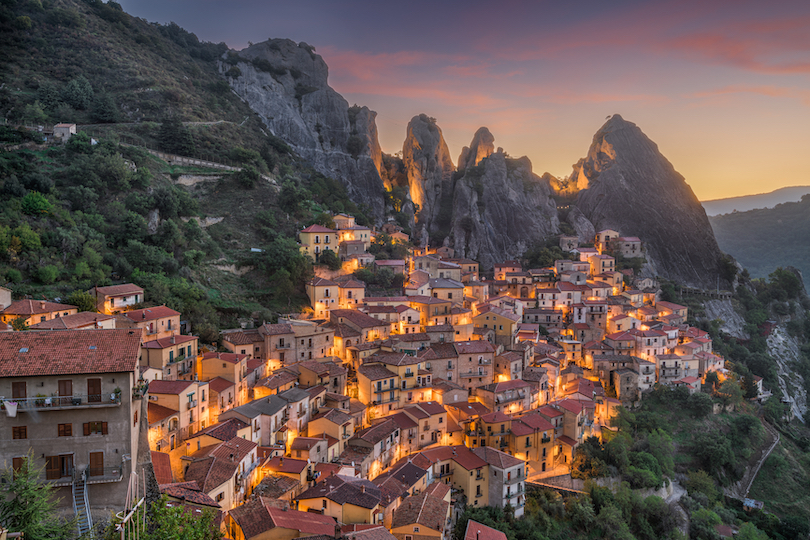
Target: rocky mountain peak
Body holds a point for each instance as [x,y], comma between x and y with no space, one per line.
[428,167]
[481,147]
[632,188]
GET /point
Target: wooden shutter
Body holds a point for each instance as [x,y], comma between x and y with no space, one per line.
[104,428]
[86,428]
[18,390]
[96,467]
[52,468]
[93,390]
[17,463]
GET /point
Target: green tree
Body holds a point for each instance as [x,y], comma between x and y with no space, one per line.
[104,109]
[700,404]
[749,531]
[175,138]
[35,204]
[19,324]
[329,259]
[700,482]
[78,93]
[82,300]
[731,392]
[48,274]
[27,504]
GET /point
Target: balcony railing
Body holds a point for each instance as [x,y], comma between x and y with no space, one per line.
[58,403]
[545,440]
[282,346]
[473,374]
[514,480]
[407,374]
[447,472]
[102,475]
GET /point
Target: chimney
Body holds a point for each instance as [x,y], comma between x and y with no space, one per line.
[281,461]
[231,458]
[171,340]
[42,304]
[362,489]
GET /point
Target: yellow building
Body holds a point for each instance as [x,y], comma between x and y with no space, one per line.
[323,296]
[349,500]
[316,239]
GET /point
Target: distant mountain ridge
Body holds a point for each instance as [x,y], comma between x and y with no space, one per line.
[744,203]
[764,239]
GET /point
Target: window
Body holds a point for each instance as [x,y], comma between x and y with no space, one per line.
[19,432]
[91,428]
[65,430]
[220,497]
[416,529]
[18,390]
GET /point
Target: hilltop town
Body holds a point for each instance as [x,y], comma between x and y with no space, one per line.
[377,414]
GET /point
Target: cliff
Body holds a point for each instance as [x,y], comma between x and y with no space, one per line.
[428,167]
[286,84]
[632,188]
[500,207]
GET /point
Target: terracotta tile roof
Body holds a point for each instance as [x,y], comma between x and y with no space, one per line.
[275,329]
[275,486]
[259,516]
[277,379]
[69,322]
[189,492]
[215,469]
[462,455]
[403,421]
[286,465]
[497,416]
[335,416]
[317,229]
[125,289]
[231,358]
[549,412]
[156,413]
[392,358]
[165,343]
[432,407]
[169,387]
[34,307]
[242,337]
[219,384]
[566,440]
[321,282]
[345,489]
[473,408]
[424,509]
[473,347]
[496,458]
[352,284]
[376,433]
[150,314]
[477,531]
[224,430]
[357,318]
[162,465]
[323,368]
[69,352]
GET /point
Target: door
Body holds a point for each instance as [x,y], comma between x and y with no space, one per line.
[66,392]
[96,467]
[18,390]
[58,466]
[94,390]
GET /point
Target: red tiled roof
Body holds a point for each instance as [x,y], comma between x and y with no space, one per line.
[189,492]
[231,358]
[219,384]
[168,387]
[162,465]
[150,314]
[477,531]
[286,465]
[156,412]
[259,515]
[34,307]
[224,430]
[497,458]
[68,352]
[125,289]
[69,322]
[164,343]
[459,453]
[317,229]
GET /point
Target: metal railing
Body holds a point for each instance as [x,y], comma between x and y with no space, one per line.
[74,401]
[101,475]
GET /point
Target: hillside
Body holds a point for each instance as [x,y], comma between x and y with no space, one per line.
[85,214]
[763,240]
[751,202]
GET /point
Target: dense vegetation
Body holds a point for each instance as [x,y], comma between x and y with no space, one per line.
[87,214]
[765,239]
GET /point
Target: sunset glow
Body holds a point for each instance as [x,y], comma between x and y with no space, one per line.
[721,87]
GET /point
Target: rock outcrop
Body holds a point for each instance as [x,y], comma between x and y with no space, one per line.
[428,167]
[500,207]
[633,189]
[482,146]
[286,84]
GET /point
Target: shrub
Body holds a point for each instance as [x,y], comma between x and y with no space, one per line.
[48,274]
[35,203]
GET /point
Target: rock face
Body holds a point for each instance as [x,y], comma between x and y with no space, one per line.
[482,146]
[633,189]
[428,167]
[286,84]
[500,208]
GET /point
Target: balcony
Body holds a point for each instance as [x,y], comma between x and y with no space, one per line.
[60,403]
[408,374]
[447,472]
[482,362]
[545,440]
[192,404]
[468,374]
[282,346]
[103,475]
[514,480]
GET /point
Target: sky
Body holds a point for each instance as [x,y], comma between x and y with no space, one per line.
[722,86]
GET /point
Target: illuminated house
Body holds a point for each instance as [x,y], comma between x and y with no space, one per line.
[511,397]
[381,443]
[316,239]
[507,477]
[424,516]
[226,472]
[601,264]
[35,311]
[532,439]
[347,499]
[459,467]
[402,479]
[475,363]
[323,296]
[116,298]
[604,239]
[370,329]
[502,321]
[156,322]
[351,294]
[262,519]
[431,419]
